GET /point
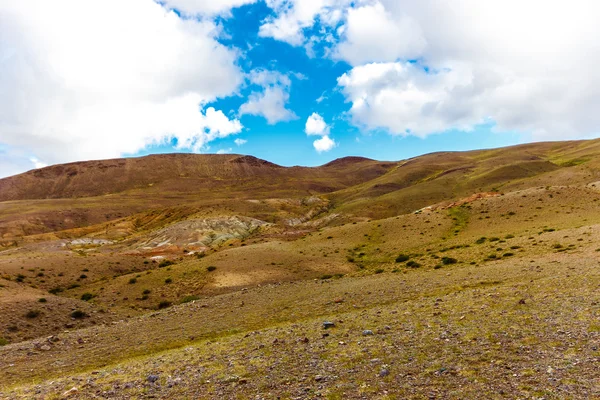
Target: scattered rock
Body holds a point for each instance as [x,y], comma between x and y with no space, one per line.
[328,325]
[522,301]
[152,378]
[367,332]
[71,392]
[45,347]
[319,378]
[384,372]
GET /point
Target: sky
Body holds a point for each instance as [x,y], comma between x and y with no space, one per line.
[295,82]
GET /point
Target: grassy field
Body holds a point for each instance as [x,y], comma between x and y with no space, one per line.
[452,275]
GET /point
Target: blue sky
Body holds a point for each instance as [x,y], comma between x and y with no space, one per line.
[294,82]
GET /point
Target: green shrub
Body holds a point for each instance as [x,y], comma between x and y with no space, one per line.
[326,276]
[413,264]
[164,304]
[132,281]
[42,300]
[31,314]
[379,271]
[3,342]
[449,260]
[168,280]
[211,268]
[165,263]
[87,296]
[481,240]
[78,314]
[146,291]
[56,290]
[402,258]
[188,299]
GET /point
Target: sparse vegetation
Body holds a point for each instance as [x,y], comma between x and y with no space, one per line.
[402,258]
[31,314]
[78,314]
[87,296]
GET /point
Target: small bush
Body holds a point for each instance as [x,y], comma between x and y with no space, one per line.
[165,263]
[164,304]
[20,278]
[31,314]
[449,260]
[438,266]
[379,271]
[481,240]
[56,290]
[146,291]
[42,300]
[78,314]
[326,276]
[168,280]
[413,264]
[83,276]
[402,258]
[87,296]
[508,254]
[211,268]
[73,286]
[132,281]
[3,342]
[188,299]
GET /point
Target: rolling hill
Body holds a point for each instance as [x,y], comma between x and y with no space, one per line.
[448,275]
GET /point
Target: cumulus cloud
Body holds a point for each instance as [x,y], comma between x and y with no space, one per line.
[523,66]
[324,144]
[371,33]
[205,7]
[315,125]
[240,142]
[528,78]
[37,163]
[269,103]
[96,79]
[292,17]
[224,151]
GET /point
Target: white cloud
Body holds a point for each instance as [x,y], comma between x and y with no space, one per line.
[315,125]
[101,78]
[371,33]
[527,66]
[224,151]
[324,144]
[293,16]
[205,7]
[240,142]
[271,102]
[37,163]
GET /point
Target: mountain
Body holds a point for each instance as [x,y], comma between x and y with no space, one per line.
[448,275]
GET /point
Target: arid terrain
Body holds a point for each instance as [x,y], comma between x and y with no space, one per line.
[454,275]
